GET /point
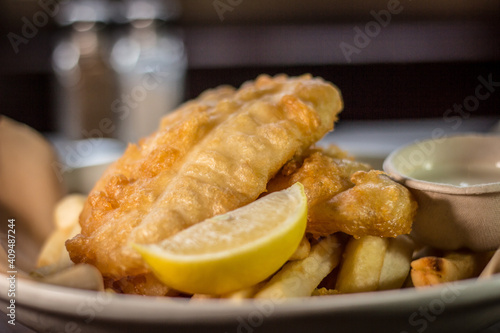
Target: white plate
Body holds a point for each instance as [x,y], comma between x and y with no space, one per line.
[467,306]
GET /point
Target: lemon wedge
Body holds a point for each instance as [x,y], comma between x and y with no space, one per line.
[232,251]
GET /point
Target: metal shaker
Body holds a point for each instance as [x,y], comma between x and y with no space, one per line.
[85,81]
[150,64]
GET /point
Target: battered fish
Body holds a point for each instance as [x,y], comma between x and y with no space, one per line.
[345,195]
[212,155]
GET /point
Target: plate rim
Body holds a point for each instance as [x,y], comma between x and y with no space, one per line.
[37,296]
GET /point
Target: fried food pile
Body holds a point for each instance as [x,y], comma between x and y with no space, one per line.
[220,152]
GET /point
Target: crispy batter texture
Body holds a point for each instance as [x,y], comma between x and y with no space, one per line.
[212,155]
[376,206]
[344,196]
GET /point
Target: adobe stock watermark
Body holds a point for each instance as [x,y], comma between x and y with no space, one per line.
[363,37]
[30,27]
[454,116]
[255,318]
[223,6]
[482,92]
[424,315]
[75,155]
[88,310]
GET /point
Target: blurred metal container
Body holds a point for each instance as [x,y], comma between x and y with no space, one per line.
[150,64]
[85,81]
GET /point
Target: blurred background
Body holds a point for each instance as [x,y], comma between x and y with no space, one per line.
[86,69]
[64,70]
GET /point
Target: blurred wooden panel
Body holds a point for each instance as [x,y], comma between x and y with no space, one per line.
[379,91]
[336,10]
[399,42]
[424,61]
[265,11]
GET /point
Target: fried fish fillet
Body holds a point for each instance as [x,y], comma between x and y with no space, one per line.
[214,154]
[376,206]
[345,195]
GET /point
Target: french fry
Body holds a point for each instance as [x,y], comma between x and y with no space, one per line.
[60,260]
[302,251]
[237,295]
[68,210]
[51,251]
[81,276]
[396,266]
[66,215]
[54,251]
[299,278]
[454,266]
[203,296]
[362,264]
[245,293]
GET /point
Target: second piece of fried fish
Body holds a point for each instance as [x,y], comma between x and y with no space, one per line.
[345,195]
